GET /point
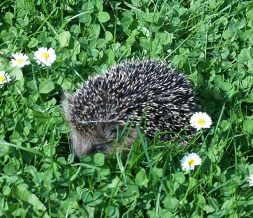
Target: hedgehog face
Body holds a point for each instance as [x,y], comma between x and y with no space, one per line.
[100,137]
[96,137]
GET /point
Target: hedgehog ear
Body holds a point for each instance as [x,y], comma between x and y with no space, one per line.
[67,105]
[114,124]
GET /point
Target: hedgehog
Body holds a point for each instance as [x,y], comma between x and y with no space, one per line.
[149,94]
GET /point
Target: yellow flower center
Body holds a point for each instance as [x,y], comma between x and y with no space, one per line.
[45,55]
[191,162]
[201,122]
[2,78]
[20,61]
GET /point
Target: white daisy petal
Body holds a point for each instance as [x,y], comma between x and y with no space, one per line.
[15,56]
[251,180]
[189,161]
[4,78]
[19,60]
[45,57]
[200,120]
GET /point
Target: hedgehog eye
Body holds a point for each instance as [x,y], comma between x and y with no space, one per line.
[111,132]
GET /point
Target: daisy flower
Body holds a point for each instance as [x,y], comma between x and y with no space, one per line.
[189,161]
[45,57]
[251,180]
[200,120]
[19,60]
[4,78]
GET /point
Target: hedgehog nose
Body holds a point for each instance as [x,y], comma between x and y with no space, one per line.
[80,149]
[98,148]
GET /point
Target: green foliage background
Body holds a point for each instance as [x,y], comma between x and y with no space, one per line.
[210,40]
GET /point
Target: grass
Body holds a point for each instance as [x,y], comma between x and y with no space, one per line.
[210,41]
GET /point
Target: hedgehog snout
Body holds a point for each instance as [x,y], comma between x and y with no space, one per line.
[81,144]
